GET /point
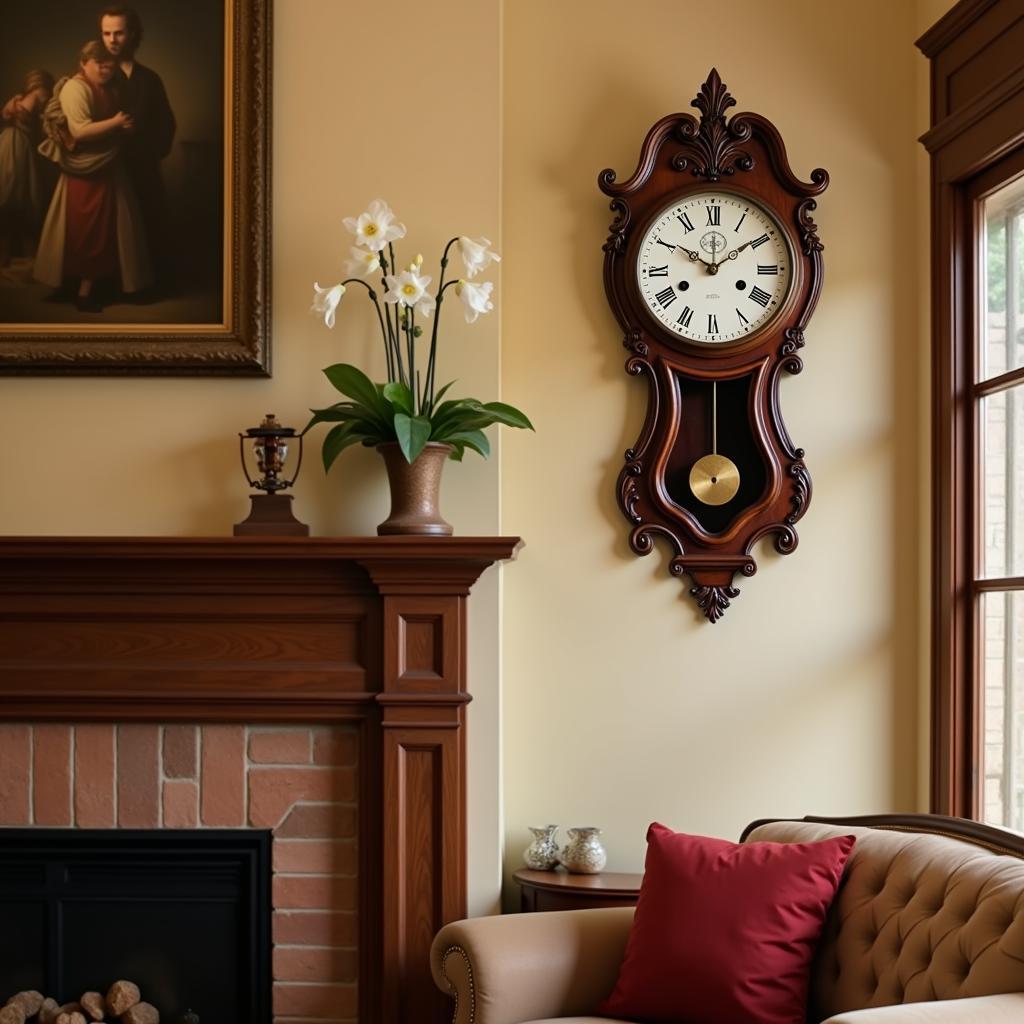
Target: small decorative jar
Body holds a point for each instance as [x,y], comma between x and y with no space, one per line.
[542,853]
[584,854]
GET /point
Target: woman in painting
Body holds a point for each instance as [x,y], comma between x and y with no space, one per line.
[93,231]
[24,184]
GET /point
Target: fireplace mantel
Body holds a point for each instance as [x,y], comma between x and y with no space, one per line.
[365,630]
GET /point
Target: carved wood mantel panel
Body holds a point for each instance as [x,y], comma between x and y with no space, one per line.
[366,630]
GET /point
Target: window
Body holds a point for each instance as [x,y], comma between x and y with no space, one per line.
[999,454]
[976,144]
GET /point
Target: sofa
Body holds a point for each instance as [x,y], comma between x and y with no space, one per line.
[927,928]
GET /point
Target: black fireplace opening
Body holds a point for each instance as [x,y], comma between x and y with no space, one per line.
[184,914]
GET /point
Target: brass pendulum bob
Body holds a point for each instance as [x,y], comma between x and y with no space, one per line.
[714,479]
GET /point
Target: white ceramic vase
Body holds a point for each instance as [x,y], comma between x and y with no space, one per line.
[584,854]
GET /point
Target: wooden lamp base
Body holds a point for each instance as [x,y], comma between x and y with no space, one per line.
[271,516]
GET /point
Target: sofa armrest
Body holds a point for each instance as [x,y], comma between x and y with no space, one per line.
[522,967]
[1001,1009]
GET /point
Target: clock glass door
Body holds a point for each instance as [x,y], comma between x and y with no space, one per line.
[716,440]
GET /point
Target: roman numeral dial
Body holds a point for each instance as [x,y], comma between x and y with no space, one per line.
[714,267]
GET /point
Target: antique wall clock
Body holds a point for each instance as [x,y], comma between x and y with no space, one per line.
[713,268]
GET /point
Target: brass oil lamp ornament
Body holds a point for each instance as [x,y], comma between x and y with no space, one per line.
[271,513]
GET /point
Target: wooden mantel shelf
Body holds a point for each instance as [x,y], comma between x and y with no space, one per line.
[367,630]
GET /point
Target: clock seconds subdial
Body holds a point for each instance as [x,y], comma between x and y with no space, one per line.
[714,267]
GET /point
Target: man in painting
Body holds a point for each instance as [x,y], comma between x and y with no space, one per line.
[144,99]
[93,230]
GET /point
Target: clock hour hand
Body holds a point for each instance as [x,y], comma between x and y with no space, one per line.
[695,257]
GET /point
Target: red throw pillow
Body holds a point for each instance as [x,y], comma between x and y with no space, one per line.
[725,932]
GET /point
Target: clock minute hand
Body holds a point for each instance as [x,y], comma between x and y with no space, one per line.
[733,253]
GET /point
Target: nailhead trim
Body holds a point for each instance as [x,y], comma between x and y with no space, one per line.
[455,992]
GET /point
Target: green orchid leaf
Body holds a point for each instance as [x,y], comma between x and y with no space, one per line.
[412,432]
[337,440]
[458,451]
[351,381]
[508,414]
[399,396]
[438,397]
[474,439]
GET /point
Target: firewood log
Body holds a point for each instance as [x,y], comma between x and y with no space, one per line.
[49,1011]
[93,1006]
[71,1018]
[123,995]
[30,1001]
[12,1013]
[142,1013]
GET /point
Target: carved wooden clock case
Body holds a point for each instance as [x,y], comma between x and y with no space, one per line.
[713,268]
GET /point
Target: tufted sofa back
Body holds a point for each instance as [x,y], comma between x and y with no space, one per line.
[919,915]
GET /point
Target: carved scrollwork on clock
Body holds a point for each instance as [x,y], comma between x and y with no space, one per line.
[713,268]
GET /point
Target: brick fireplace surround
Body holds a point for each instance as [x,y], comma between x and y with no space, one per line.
[298,781]
[315,687]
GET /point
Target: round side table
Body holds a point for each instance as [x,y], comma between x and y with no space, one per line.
[561,890]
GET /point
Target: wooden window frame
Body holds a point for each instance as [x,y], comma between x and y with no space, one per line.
[977,121]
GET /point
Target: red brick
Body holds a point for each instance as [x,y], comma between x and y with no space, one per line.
[138,776]
[318,821]
[223,778]
[181,803]
[94,776]
[315,927]
[291,746]
[321,1001]
[306,963]
[51,775]
[273,791]
[181,758]
[15,771]
[313,892]
[338,746]
[318,856]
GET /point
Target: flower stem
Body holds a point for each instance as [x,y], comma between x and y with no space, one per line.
[432,361]
[428,388]
[385,334]
[398,371]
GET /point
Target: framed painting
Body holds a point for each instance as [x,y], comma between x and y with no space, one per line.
[135,187]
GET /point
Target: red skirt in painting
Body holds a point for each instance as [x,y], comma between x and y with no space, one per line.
[90,240]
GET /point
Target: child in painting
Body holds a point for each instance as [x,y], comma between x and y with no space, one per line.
[25,183]
[93,230]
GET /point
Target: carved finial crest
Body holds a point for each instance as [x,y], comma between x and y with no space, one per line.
[713,100]
[717,144]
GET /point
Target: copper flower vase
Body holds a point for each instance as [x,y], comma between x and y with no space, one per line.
[415,491]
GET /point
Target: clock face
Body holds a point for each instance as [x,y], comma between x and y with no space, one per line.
[714,267]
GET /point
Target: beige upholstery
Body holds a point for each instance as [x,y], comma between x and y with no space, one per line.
[926,929]
[530,966]
[918,918]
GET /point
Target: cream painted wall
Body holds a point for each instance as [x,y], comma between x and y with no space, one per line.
[621,706]
[356,115]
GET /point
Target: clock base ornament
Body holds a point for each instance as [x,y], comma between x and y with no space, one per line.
[713,268]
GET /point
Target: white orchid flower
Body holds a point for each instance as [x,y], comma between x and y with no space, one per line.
[377,227]
[409,289]
[476,255]
[363,262]
[476,298]
[325,300]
